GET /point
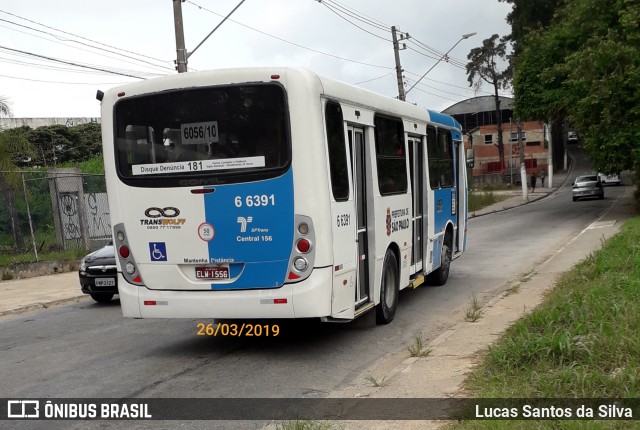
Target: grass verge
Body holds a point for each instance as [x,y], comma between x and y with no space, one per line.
[28,257]
[479,199]
[582,342]
[308,425]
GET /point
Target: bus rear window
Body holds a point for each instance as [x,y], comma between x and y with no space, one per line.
[233,133]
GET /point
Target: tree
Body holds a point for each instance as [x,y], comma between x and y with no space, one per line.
[586,65]
[528,15]
[482,67]
[5,110]
[12,146]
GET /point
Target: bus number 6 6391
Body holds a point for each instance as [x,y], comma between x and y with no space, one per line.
[256,200]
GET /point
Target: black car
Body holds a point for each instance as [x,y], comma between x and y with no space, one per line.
[98,274]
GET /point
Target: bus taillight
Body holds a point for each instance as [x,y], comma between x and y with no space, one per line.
[124,251]
[303,246]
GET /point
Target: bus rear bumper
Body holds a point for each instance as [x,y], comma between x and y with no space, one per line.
[310,298]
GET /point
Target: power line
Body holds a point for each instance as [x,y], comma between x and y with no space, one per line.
[422,53]
[438,89]
[75,47]
[59,82]
[84,38]
[47,66]
[446,83]
[46,60]
[374,20]
[332,9]
[71,63]
[374,79]
[436,95]
[357,15]
[292,43]
[435,51]
[437,54]
[446,60]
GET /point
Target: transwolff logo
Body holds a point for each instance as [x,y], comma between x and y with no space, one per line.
[168,212]
[243,223]
[162,217]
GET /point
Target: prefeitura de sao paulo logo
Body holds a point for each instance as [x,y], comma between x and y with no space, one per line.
[388,221]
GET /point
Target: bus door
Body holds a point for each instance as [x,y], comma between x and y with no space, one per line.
[457,246]
[416,167]
[357,150]
[460,186]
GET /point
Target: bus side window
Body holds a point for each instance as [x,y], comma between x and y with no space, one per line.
[391,159]
[337,152]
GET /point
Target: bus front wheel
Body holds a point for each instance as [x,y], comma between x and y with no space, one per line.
[389,288]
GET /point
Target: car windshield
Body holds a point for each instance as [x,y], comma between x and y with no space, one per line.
[590,178]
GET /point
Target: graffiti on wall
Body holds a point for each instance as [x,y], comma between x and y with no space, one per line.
[69,215]
[97,210]
[96,214]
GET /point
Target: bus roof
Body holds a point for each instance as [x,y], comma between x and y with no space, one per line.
[327,86]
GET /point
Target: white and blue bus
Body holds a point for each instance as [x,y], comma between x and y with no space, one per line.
[277,193]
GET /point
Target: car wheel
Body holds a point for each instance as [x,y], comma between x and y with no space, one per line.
[389,289]
[575,199]
[102,298]
[441,274]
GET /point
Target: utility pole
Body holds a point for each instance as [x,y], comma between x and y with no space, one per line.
[523,168]
[181,63]
[547,136]
[396,51]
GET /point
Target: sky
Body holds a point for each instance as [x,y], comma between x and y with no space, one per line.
[44,43]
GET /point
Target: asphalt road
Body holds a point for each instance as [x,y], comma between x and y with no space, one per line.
[86,350]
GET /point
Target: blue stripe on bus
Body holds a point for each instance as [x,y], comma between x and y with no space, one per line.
[444,119]
[443,205]
[253,225]
[442,215]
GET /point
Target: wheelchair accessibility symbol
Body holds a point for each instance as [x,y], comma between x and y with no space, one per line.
[158,251]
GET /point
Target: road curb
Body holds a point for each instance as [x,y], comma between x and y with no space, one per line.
[42,305]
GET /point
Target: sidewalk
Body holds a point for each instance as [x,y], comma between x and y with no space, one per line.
[29,294]
[515,196]
[23,295]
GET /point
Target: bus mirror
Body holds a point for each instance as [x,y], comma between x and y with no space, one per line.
[470,158]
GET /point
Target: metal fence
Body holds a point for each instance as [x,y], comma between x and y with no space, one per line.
[52,211]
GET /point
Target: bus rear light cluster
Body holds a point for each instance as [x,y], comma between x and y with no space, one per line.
[302,251]
[125,257]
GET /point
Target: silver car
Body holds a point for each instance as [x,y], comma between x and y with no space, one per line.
[587,186]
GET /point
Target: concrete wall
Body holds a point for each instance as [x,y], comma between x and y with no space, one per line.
[6,123]
[29,270]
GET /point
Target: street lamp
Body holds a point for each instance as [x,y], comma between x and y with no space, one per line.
[464,36]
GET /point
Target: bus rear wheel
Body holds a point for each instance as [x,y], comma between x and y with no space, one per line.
[441,274]
[389,289]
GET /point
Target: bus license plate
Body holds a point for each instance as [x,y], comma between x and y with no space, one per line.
[105,282]
[212,272]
